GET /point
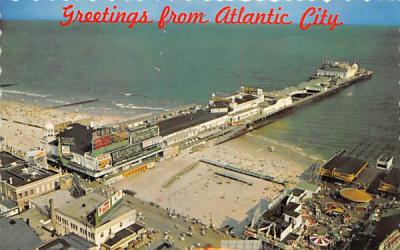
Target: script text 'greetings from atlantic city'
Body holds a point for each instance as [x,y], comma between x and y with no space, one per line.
[312,16]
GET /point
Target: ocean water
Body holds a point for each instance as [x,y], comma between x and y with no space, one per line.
[147,70]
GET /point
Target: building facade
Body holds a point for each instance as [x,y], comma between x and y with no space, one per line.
[99,219]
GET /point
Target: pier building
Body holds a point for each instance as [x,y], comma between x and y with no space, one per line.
[391,183]
[96,152]
[338,69]
[343,168]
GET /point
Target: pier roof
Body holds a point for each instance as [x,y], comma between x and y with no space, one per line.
[185,121]
[393,178]
[344,164]
[245,98]
[333,68]
[82,137]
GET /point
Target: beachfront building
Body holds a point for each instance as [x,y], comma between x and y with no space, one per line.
[96,152]
[337,69]
[391,182]
[343,168]
[100,219]
[21,181]
[279,224]
[197,125]
[385,161]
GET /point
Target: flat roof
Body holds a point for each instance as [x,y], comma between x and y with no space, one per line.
[276,213]
[122,234]
[16,234]
[7,159]
[59,197]
[333,68]
[344,164]
[244,98]
[185,121]
[24,174]
[393,178]
[9,203]
[68,242]
[297,192]
[308,186]
[87,205]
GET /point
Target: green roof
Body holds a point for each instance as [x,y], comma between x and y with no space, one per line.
[307,186]
[109,148]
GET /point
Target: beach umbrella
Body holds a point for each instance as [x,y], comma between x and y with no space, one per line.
[320,240]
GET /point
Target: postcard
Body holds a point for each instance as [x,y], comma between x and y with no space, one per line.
[199,124]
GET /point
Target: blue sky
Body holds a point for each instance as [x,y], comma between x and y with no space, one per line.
[376,12]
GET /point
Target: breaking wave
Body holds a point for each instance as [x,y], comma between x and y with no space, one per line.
[15,92]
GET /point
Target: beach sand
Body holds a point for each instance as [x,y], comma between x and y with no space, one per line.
[198,192]
[24,137]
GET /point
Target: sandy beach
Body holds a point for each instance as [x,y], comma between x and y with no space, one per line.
[192,188]
[22,124]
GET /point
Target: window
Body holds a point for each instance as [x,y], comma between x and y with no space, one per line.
[26,193]
[32,192]
[120,224]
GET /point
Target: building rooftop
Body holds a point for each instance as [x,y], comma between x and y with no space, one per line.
[185,121]
[82,137]
[393,178]
[244,98]
[87,206]
[68,242]
[124,233]
[59,197]
[9,204]
[333,68]
[386,157]
[16,234]
[6,159]
[344,164]
[23,174]
[276,213]
[308,186]
[297,192]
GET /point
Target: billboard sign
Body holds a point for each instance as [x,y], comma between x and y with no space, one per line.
[116,197]
[151,141]
[141,134]
[126,153]
[104,207]
[67,141]
[107,136]
[109,203]
[103,161]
